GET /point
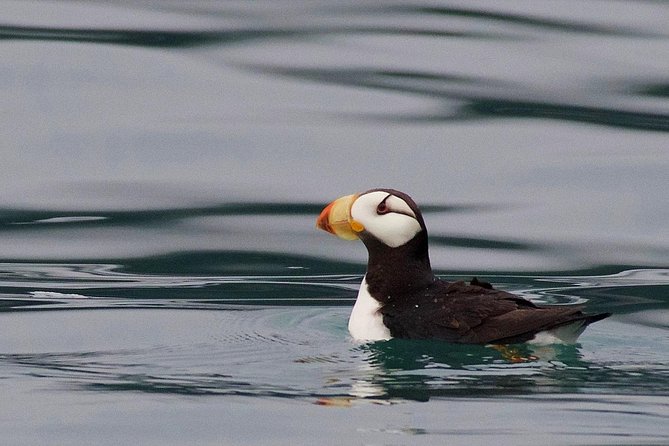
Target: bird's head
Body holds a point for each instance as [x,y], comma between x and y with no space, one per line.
[383,216]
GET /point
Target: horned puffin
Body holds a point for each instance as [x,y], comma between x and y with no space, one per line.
[400,297]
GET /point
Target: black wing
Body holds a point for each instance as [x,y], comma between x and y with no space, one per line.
[462,313]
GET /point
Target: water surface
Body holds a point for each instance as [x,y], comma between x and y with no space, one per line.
[161,279]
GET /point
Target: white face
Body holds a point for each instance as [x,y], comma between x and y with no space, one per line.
[387,217]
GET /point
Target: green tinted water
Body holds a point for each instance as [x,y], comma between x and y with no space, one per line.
[161,279]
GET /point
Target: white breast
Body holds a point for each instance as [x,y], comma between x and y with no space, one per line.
[366,322]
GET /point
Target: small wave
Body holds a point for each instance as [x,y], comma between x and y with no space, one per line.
[63,220]
[55,295]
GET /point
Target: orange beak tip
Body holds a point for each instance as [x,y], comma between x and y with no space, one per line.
[323,221]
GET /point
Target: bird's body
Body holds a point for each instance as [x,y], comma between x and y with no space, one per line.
[400,297]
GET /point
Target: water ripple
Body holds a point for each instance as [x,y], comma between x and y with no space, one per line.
[232,343]
[475,98]
[114,285]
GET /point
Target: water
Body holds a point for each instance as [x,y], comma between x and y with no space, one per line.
[163,165]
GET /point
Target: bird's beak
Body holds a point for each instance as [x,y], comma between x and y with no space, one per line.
[336,219]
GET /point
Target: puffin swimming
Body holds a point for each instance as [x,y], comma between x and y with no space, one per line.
[400,297]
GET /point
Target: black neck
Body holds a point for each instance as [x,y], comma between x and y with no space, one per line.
[394,272]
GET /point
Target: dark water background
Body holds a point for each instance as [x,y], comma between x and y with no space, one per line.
[163,163]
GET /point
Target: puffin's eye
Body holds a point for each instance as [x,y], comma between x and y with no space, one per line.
[382,208]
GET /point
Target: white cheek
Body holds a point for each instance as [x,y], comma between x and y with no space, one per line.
[391,229]
[394,229]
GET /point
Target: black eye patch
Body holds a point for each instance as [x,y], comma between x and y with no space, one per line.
[383,207]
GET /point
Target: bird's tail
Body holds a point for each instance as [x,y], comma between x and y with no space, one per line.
[568,333]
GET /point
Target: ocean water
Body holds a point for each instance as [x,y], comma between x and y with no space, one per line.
[163,164]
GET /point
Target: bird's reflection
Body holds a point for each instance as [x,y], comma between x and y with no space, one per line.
[418,370]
